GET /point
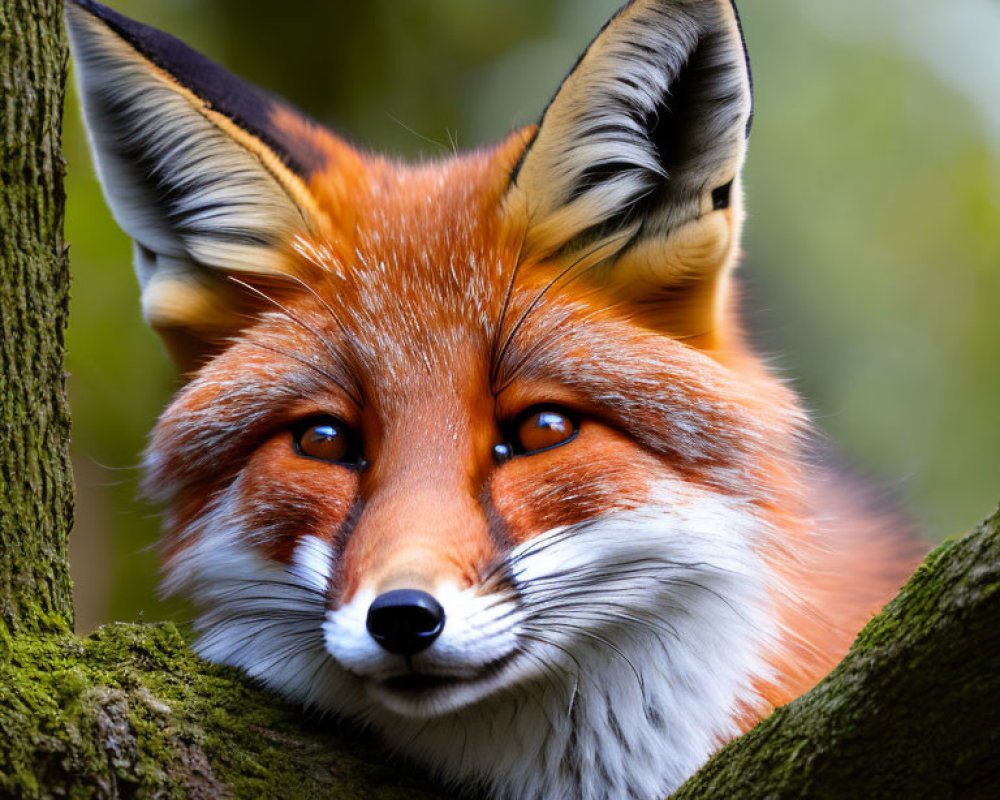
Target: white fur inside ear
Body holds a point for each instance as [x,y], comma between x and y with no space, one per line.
[651,121]
[182,187]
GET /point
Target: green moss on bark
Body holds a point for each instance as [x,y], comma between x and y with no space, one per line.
[912,712]
[36,484]
[131,712]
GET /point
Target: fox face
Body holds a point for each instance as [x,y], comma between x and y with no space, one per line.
[474,451]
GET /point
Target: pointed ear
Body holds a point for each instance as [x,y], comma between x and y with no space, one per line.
[634,169]
[206,173]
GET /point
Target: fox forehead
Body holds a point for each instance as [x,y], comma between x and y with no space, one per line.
[413,262]
[433,226]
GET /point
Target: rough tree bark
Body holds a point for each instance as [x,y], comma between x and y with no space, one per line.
[36,483]
[130,712]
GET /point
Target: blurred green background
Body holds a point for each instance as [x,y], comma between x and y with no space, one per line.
[873,243]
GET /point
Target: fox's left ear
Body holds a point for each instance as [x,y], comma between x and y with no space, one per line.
[206,173]
[633,173]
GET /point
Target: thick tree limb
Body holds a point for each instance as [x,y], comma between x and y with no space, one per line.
[131,712]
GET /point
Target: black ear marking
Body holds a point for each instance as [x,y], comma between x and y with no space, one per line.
[721,196]
[746,59]
[698,100]
[246,105]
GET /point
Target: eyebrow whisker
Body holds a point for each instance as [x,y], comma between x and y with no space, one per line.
[495,356]
[542,294]
[294,318]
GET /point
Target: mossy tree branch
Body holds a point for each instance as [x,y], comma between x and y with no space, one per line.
[131,712]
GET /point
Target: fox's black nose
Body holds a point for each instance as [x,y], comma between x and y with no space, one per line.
[405,621]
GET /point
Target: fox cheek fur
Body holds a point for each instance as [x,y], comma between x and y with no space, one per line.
[475,452]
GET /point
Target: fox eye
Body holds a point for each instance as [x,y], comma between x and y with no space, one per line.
[327,439]
[542,428]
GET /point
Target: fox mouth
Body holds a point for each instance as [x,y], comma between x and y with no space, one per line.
[418,683]
[425,694]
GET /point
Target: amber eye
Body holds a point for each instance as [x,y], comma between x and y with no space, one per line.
[542,428]
[327,439]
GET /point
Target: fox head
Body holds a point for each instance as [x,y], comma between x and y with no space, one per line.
[473,450]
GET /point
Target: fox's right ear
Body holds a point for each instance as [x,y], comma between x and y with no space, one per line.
[206,173]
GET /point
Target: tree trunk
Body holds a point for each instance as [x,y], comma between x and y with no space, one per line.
[910,713]
[36,483]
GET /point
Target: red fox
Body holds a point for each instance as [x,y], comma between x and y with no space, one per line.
[475,452]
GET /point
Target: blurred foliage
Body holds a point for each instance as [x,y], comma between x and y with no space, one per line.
[873,249]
